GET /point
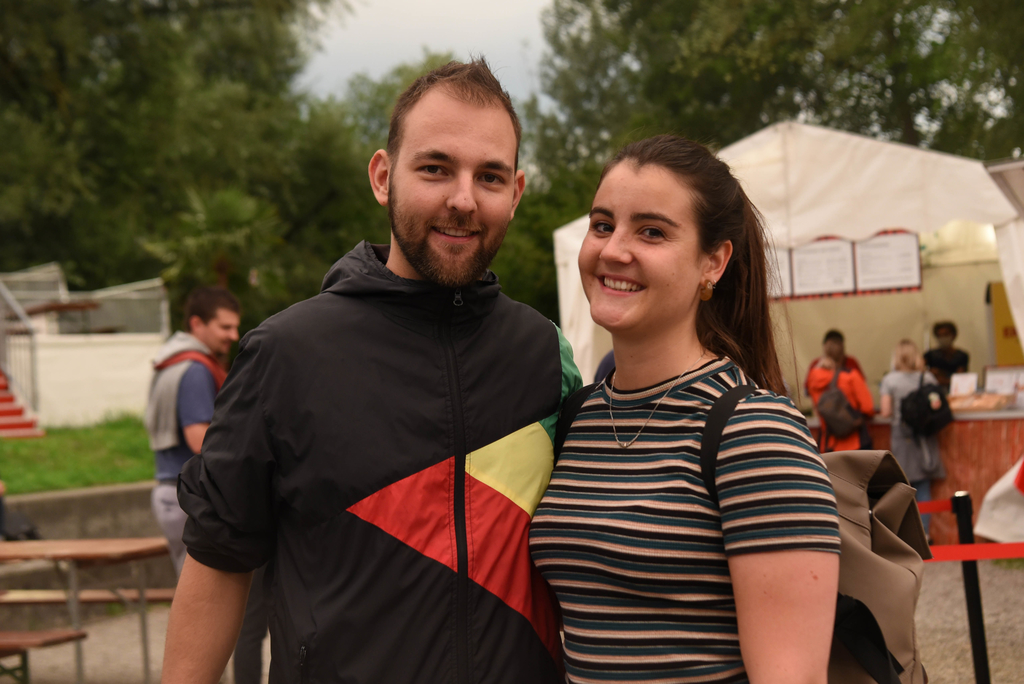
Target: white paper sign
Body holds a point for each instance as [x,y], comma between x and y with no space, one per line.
[1002,380]
[823,267]
[888,262]
[962,384]
[780,283]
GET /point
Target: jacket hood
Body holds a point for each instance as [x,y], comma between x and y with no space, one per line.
[177,343]
[362,273]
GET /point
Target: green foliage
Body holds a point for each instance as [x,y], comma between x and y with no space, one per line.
[370,102]
[941,73]
[108,453]
[164,137]
[1010,563]
[113,109]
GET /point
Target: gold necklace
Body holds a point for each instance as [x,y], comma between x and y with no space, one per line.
[611,416]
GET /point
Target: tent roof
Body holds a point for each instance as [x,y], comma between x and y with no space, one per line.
[810,181]
[1009,176]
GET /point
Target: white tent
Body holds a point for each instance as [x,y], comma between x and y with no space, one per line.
[810,181]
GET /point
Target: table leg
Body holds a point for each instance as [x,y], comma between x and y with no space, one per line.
[76,619]
[140,575]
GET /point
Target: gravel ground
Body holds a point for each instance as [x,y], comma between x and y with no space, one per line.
[942,623]
[112,654]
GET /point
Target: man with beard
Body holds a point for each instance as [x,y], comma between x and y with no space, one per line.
[383,445]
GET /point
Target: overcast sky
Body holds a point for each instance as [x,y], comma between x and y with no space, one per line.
[380,34]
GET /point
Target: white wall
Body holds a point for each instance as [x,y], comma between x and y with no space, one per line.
[84,379]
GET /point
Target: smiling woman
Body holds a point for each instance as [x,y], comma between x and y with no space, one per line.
[657,578]
[642,263]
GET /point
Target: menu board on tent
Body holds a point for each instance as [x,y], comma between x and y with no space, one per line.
[890,261]
[780,283]
[823,267]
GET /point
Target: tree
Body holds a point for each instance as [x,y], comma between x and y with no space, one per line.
[112,110]
[371,102]
[939,73]
[991,36]
[149,137]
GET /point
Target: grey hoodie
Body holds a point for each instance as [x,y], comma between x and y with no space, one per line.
[162,409]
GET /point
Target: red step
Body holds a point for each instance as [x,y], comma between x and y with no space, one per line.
[18,426]
[14,424]
[17,423]
[29,433]
[11,411]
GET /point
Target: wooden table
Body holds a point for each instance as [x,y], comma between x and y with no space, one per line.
[78,553]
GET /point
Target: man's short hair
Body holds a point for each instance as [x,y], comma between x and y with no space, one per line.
[204,302]
[472,83]
[834,335]
[944,325]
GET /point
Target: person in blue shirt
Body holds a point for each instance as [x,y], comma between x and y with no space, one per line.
[189,370]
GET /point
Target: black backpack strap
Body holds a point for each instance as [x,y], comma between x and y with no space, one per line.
[570,407]
[857,629]
[718,416]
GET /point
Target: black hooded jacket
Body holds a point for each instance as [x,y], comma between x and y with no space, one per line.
[383,446]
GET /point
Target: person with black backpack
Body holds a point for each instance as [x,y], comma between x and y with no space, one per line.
[661,574]
[916,452]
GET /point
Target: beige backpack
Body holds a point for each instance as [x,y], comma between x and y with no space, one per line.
[883,548]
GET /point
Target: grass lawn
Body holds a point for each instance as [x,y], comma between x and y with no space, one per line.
[108,453]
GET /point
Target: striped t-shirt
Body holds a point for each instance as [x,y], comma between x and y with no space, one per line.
[635,549]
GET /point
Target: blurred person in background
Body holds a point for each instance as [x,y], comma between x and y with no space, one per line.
[945,359]
[833,346]
[918,456]
[853,386]
[190,369]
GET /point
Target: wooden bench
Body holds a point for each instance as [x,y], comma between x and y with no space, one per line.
[27,597]
[20,643]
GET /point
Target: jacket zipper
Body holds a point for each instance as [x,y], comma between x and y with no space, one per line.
[302,663]
[462,552]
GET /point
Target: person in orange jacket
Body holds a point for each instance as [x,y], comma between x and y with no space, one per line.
[853,385]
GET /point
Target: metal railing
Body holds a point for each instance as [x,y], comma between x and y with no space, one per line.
[139,307]
[18,354]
